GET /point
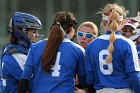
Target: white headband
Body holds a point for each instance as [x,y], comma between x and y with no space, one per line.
[104,17]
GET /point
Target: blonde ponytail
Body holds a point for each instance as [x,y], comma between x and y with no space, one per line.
[113,27]
[112,13]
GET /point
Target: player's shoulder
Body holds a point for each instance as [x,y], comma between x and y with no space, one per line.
[39,43]
[119,38]
[80,47]
[74,45]
[125,40]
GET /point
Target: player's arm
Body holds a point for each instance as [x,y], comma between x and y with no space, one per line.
[132,67]
[81,70]
[27,74]
[134,78]
[24,81]
[89,73]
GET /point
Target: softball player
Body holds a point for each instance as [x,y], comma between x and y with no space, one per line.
[52,64]
[86,32]
[111,59]
[22,30]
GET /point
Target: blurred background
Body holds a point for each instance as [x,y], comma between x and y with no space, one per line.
[45,10]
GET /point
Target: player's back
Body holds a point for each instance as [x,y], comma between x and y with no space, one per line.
[70,60]
[13,59]
[114,74]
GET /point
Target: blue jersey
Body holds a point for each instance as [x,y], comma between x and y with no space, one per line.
[69,61]
[138,49]
[13,59]
[114,74]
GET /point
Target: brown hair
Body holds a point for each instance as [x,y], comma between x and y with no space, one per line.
[60,27]
[13,39]
[114,11]
[91,25]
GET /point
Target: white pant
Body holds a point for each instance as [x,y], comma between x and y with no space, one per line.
[113,90]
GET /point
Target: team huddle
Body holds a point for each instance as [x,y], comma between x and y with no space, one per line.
[108,63]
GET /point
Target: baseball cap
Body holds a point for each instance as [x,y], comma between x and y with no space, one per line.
[130,22]
[136,34]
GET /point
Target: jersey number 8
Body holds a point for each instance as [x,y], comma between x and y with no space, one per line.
[102,59]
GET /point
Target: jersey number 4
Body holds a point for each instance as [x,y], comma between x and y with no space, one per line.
[106,68]
[56,67]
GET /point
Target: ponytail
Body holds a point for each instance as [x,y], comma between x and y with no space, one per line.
[54,40]
[112,16]
[113,27]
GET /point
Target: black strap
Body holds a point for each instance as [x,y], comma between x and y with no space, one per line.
[67,22]
[91,89]
[23,86]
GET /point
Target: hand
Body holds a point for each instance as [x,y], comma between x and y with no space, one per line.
[77,90]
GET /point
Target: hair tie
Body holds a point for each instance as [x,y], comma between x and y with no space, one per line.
[58,23]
